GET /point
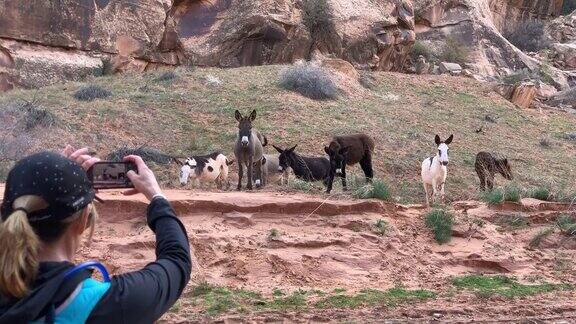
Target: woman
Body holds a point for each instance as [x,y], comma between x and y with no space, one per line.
[47,206]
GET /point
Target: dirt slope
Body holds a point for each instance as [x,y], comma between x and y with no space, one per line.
[325,244]
[189,115]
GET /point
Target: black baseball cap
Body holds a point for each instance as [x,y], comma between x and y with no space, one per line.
[61,182]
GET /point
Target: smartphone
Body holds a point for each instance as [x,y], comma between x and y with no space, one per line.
[111,175]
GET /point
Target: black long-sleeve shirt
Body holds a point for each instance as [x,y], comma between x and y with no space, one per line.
[141,296]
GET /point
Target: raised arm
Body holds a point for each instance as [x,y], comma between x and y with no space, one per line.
[144,296]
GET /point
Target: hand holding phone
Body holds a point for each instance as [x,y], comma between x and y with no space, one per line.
[143,180]
[111,175]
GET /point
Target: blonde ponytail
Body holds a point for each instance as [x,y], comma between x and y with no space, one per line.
[19,248]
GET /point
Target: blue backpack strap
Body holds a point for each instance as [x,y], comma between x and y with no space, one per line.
[88,265]
[79,305]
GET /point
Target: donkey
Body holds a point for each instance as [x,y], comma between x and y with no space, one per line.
[487,166]
[248,150]
[305,168]
[206,168]
[435,170]
[271,171]
[349,150]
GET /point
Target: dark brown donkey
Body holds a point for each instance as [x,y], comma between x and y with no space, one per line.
[349,150]
[488,165]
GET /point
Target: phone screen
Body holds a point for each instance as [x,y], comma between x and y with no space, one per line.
[111,175]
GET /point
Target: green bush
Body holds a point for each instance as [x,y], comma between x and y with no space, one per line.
[309,80]
[378,189]
[512,193]
[454,51]
[420,48]
[91,92]
[540,193]
[381,227]
[167,76]
[318,18]
[567,225]
[440,222]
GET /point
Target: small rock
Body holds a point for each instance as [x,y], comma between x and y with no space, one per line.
[437,315]
[452,68]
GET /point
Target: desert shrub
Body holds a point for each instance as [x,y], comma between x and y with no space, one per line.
[318,18]
[568,6]
[520,76]
[512,193]
[273,234]
[545,142]
[167,76]
[148,154]
[381,227]
[212,80]
[499,195]
[440,222]
[567,225]
[528,36]
[545,74]
[367,80]
[454,51]
[420,48]
[91,92]
[36,116]
[378,189]
[309,80]
[107,67]
[537,239]
[541,193]
[300,185]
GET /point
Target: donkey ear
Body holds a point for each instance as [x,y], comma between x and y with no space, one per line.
[292,148]
[178,161]
[437,140]
[238,115]
[449,140]
[253,115]
[327,150]
[278,149]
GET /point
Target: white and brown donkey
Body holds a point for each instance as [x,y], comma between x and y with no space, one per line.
[435,170]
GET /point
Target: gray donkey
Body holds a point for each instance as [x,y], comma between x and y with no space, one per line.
[249,149]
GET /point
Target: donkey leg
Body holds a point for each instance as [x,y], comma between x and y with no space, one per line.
[329,181]
[366,164]
[240,174]
[482,180]
[490,182]
[344,186]
[250,174]
[442,195]
[427,194]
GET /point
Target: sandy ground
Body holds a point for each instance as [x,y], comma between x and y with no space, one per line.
[328,244]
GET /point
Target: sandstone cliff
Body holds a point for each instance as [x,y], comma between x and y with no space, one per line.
[478,24]
[42,42]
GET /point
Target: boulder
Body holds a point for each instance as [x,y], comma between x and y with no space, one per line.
[524,94]
[564,98]
[452,68]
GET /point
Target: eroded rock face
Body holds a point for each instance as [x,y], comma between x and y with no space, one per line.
[478,25]
[139,35]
